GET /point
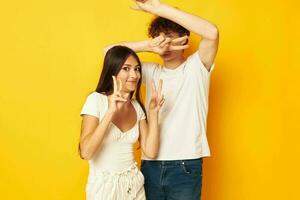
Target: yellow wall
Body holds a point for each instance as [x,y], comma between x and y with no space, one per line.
[51,56]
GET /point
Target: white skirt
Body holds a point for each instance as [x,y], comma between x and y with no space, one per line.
[127,185]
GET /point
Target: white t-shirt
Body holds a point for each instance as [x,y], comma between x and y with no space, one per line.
[183,116]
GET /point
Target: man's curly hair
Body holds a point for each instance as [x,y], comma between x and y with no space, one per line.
[160,24]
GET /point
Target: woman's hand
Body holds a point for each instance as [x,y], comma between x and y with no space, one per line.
[157,99]
[116,100]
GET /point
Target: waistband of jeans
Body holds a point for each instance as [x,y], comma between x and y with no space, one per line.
[174,162]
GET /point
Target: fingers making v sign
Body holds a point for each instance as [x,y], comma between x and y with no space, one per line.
[116,100]
[157,99]
[161,44]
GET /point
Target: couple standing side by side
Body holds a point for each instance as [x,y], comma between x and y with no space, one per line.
[173,136]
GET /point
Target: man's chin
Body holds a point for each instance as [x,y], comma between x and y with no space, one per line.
[167,57]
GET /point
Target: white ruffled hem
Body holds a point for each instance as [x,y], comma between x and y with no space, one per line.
[126,185]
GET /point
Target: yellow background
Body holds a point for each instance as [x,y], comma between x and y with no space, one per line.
[51,57]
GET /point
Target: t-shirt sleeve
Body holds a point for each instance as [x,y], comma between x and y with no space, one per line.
[196,65]
[92,105]
[147,71]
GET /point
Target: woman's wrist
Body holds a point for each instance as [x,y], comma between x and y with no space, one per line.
[110,113]
[153,113]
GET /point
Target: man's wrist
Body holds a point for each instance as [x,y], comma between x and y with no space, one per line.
[159,10]
[147,45]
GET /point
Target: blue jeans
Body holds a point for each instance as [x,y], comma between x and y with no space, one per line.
[173,180]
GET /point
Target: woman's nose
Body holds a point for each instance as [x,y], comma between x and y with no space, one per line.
[133,73]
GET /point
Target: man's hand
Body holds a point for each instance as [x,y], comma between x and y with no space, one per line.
[162,44]
[147,5]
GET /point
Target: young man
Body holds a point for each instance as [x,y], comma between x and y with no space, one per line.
[176,173]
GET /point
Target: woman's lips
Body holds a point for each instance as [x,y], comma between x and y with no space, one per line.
[131,81]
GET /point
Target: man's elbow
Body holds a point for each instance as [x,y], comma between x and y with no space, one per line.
[105,50]
[214,33]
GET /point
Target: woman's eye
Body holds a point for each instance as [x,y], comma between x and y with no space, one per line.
[137,69]
[126,68]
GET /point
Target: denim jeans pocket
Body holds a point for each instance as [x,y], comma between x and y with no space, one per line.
[191,169]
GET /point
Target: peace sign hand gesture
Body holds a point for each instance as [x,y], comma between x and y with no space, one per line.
[157,99]
[161,44]
[116,100]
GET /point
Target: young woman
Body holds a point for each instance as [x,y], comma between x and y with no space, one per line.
[112,121]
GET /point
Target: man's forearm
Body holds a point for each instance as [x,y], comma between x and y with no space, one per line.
[139,46]
[191,22]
